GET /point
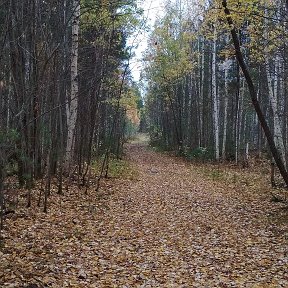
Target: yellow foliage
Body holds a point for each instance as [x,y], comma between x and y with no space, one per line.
[253,16]
[170,53]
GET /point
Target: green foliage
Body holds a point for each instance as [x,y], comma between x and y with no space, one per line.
[170,52]
[8,137]
[118,168]
[156,139]
[121,169]
[216,174]
[159,145]
[199,153]
[131,129]
[8,141]
[110,17]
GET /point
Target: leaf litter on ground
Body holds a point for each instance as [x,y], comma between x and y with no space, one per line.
[173,226]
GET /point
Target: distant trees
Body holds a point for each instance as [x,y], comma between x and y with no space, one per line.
[218,118]
[170,62]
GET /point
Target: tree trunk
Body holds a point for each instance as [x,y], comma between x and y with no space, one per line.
[201,90]
[225,110]
[1,195]
[238,123]
[215,99]
[272,92]
[72,109]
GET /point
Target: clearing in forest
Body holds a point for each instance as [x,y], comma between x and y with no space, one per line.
[173,224]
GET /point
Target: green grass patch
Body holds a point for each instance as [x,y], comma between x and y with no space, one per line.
[235,176]
[117,168]
[216,174]
[121,169]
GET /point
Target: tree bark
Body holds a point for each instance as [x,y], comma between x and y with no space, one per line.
[225,110]
[272,92]
[215,100]
[73,107]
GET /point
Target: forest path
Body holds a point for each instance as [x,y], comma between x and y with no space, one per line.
[189,231]
[170,227]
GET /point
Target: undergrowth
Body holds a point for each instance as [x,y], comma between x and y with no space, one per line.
[249,180]
[238,176]
[117,168]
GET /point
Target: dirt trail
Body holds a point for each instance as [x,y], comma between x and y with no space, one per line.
[168,228]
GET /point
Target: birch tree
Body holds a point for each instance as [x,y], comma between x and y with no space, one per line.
[215,99]
[226,66]
[273,95]
[72,103]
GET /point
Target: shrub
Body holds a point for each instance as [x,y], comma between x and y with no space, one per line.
[199,153]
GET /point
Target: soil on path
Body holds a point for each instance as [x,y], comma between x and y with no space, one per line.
[170,227]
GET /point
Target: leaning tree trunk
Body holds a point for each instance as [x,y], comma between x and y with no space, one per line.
[72,109]
[253,95]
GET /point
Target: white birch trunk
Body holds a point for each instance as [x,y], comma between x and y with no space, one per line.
[200,76]
[237,128]
[72,107]
[239,120]
[202,92]
[215,99]
[200,55]
[225,111]
[273,93]
[247,153]
[272,81]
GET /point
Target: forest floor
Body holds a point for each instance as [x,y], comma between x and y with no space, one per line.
[172,224]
